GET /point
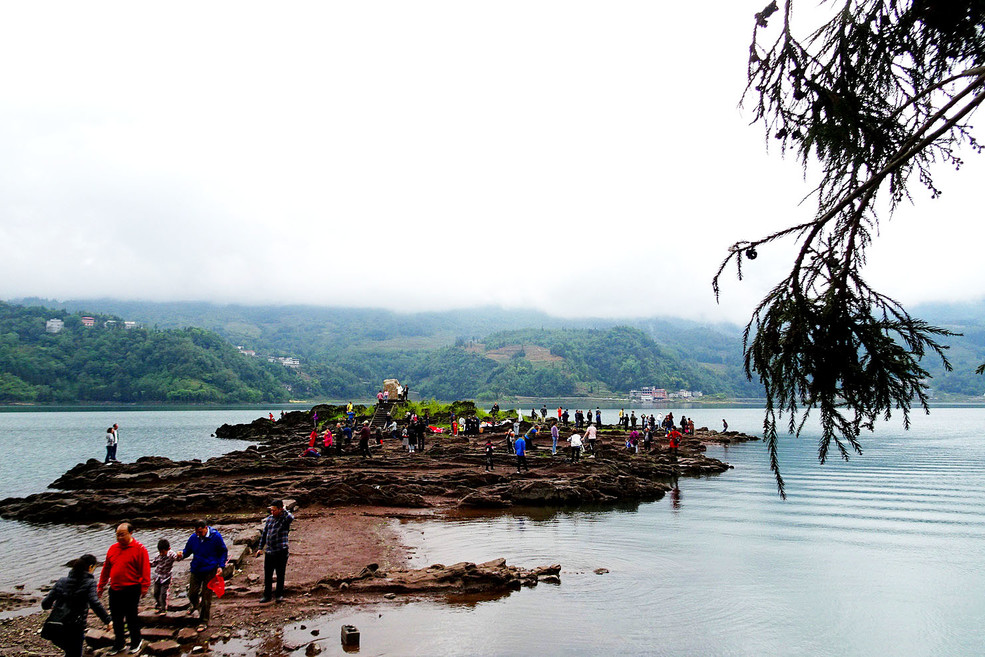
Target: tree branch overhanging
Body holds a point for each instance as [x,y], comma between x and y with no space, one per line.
[875,95]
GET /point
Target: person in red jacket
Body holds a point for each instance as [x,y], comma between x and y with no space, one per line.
[674,440]
[127,571]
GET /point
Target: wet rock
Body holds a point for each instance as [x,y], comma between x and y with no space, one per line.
[464,577]
[187,634]
[156,633]
[99,638]
[165,647]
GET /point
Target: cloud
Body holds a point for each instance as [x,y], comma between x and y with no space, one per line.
[571,157]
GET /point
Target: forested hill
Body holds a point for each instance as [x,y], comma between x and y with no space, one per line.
[107,362]
[482,353]
[486,353]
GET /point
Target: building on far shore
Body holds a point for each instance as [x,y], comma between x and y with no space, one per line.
[54,325]
[88,321]
[293,363]
[648,395]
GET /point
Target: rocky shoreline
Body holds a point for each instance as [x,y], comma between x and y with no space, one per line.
[232,491]
[156,491]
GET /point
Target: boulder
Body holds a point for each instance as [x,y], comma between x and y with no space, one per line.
[99,638]
[156,633]
[165,647]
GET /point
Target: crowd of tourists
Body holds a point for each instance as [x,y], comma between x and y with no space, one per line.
[643,432]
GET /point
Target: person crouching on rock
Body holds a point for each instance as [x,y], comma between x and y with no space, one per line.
[71,597]
[209,554]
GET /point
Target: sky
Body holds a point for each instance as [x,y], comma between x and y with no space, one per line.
[582,158]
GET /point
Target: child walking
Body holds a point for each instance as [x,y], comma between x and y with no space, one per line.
[489,455]
[162,564]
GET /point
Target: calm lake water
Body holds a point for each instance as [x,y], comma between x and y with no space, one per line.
[880,555]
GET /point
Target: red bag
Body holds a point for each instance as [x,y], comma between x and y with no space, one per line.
[218,585]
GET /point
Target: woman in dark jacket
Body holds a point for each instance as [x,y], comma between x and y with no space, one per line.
[71,598]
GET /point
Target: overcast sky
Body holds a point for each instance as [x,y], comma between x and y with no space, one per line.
[574,157]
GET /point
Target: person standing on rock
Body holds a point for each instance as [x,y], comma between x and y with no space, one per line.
[489,455]
[421,428]
[127,571]
[674,442]
[591,435]
[163,562]
[110,446]
[555,433]
[209,554]
[364,435]
[273,545]
[575,442]
[521,454]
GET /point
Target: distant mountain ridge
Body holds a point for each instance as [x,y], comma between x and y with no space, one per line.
[346,352]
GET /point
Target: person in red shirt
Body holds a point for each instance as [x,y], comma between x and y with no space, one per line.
[127,571]
[674,438]
[312,437]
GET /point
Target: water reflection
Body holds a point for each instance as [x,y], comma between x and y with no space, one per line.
[675,497]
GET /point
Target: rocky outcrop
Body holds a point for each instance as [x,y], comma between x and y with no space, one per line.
[157,491]
[465,577]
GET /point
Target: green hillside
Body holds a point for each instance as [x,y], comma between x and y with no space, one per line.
[110,363]
[485,353]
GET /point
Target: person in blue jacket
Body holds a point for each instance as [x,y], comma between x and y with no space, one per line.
[209,553]
[521,454]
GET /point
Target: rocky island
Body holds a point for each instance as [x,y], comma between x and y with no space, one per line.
[347,501]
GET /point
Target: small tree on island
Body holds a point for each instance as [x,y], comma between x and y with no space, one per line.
[875,96]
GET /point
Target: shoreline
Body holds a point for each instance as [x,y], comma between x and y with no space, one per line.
[341,497]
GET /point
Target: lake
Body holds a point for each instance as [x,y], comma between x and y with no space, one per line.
[880,555]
